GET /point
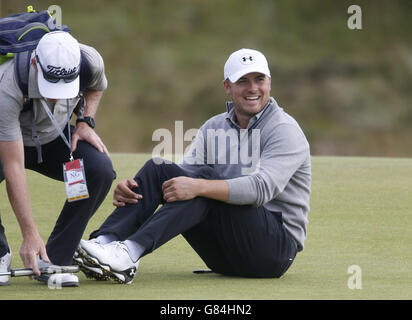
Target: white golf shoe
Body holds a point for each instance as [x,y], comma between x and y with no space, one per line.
[113,258]
[90,271]
[5,262]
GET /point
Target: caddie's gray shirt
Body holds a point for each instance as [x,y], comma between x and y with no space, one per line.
[15,124]
[267,164]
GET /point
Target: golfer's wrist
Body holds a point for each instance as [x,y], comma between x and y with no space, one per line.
[213,189]
[201,187]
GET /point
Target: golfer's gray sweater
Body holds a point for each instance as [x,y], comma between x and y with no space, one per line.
[267,164]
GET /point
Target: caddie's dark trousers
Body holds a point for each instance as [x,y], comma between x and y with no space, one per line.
[233,240]
[74,216]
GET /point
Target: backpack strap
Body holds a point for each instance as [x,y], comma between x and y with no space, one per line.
[85,81]
[85,73]
[21,71]
[35,136]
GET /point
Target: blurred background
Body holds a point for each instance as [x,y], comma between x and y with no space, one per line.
[350,90]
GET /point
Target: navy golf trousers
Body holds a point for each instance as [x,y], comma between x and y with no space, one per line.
[234,240]
[74,216]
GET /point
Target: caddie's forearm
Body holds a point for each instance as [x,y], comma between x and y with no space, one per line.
[18,193]
[213,189]
[92,102]
[12,158]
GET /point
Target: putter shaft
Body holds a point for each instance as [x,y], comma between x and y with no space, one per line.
[49,270]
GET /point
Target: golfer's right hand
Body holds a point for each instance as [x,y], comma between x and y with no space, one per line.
[123,193]
[31,247]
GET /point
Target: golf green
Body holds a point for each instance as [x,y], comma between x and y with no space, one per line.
[359,242]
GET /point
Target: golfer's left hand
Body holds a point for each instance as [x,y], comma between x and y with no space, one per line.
[179,189]
[85,133]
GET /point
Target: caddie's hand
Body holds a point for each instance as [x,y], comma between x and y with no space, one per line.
[179,189]
[123,193]
[85,133]
[31,247]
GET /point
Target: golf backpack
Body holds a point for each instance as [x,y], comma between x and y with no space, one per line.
[19,36]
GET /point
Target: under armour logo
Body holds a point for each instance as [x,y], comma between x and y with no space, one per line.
[247,59]
[132,272]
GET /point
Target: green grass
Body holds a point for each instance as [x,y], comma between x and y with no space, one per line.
[360,215]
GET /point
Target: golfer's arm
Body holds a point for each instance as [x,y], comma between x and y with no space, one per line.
[12,158]
[213,189]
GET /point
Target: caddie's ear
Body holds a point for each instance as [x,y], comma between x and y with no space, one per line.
[34,63]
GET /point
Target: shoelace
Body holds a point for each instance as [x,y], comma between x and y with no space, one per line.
[119,246]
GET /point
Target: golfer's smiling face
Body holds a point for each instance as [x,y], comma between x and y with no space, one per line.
[249,94]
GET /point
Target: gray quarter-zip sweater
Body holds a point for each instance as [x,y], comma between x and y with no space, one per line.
[267,164]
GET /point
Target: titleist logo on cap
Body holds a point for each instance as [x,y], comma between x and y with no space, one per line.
[59,71]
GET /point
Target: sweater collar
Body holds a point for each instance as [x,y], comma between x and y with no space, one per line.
[230,112]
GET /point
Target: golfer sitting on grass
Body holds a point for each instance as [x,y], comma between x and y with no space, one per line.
[243,218]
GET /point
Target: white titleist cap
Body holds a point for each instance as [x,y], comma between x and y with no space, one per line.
[58,65]
[245,61]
